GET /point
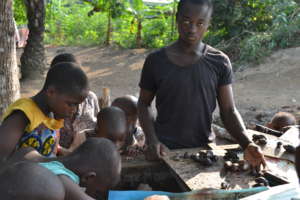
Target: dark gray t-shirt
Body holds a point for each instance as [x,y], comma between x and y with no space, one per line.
[185,96]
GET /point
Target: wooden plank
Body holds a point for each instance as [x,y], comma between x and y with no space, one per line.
[193,176]
[270,148]
[291,136]
[138,162]
[213,146]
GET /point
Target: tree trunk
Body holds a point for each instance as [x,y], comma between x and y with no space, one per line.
[33,59]
[109,28]
[139,34]
[9,74]
[173,18]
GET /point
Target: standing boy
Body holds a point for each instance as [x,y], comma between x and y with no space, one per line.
[187,78]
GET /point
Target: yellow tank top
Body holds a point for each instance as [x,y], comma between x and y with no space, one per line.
[41,132]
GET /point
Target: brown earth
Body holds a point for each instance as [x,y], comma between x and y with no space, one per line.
[260,91]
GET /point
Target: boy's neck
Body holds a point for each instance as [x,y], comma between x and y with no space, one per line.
[189,48]
[71,164]
[41,101]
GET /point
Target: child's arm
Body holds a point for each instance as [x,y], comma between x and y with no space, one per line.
[11,130]
[73,191]
[79,138]
[25,154]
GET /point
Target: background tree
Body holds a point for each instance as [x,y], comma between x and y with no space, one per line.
[113,9]
[138,9]
[33,58]
[9,80]
[142,12]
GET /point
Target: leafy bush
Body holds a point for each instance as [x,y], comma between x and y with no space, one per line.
[19,12]
[70,25]
[251,30]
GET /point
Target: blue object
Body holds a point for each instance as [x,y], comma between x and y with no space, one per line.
[58,168]
[204,194]
[133,195]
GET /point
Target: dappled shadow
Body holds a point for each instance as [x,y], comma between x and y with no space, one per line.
[118,69]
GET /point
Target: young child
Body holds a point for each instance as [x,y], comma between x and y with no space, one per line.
[135,139]
[85,116]
[95,165]
[27,121]
[64,57]
[111,124]
[281,121]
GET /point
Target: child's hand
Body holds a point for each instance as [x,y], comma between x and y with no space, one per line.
[254,156]
[132,151]
[156,151]
[79,138]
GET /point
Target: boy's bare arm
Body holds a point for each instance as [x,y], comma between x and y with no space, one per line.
[11,130]
[155,148]
[235,126]
[26,154]
[145,115]
[80,138]
[73,191]
[231,117]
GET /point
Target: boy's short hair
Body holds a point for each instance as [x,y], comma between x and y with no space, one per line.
[207,3]
[127,103]
[67,78]
[114,120]
[283,119]
[63,57]
[101,155]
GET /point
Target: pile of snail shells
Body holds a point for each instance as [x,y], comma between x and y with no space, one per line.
[259,139]
[206,158]
[239,166]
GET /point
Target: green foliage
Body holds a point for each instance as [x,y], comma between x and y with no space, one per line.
[115,7]
[20,12]
[281,35]
[66,26]
[247,30]
[156,32]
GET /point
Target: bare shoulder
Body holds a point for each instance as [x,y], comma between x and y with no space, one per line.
[73,191]
[25,177]
[15,119]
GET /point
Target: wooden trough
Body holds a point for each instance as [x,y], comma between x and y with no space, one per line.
[182,175]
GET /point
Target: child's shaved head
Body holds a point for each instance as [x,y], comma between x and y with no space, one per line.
[128,104]
[99,155]
[281,120]
[111,124]
[25,180]
[67,78]
[64,57]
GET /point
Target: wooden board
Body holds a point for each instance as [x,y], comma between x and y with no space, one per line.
[291,136]
[270,148]
[194,176]
[138,162]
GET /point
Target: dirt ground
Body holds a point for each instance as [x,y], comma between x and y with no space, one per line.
[260,91]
